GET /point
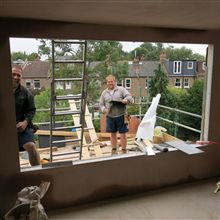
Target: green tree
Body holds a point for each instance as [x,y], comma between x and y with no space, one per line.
[147,51]
[18,56]
[118,69]
[33,56]
[98,50]
[159,84]
[151,51]
[42,101]
[193,99]
[23,56]
[60,49]
[189,100]
[182,53]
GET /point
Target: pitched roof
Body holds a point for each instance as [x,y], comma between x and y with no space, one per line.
[144,68]
[36,69]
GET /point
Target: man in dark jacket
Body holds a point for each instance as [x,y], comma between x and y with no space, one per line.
[25,111]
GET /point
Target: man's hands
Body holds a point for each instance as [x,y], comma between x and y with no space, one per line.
[21,126]
[124,101]
[106,111]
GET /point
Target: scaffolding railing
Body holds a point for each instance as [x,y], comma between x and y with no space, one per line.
[95,114]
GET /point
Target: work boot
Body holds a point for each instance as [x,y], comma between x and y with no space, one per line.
[114,150]
[124,150]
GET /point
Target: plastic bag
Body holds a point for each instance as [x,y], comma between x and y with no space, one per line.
[28,203]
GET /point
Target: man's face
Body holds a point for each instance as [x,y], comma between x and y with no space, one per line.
[111,83]
[16,76]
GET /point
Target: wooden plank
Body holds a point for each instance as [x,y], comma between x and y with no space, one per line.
[85,153]
[47,149]
[148,143]
[57,133]
[91,131]
[107,135]
[168,137]
[145,149]
[76,119]
[89,123]
[97,150]
[141,146]
[149,147]
[186,148]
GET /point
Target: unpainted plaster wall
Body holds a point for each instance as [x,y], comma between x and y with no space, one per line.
[87,182]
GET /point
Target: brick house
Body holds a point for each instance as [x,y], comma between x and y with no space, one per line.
[201,65]
[139,75]
[36,75]
[181,73]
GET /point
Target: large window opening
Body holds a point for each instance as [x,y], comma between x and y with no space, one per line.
[144,68]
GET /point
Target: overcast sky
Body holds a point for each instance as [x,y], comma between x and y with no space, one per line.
[30,45]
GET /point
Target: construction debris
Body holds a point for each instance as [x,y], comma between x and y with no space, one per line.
[28,204]
[217,187]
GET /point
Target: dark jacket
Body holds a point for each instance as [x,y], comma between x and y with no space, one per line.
[24,105]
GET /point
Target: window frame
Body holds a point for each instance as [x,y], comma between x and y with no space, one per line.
[180,82]
[146,83]
[188,65]
[177,66]
[184,83]
[127,79]
[28,81]
[38,81]
[120,82]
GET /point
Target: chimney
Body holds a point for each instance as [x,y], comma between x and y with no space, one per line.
[136,66]
[163,57]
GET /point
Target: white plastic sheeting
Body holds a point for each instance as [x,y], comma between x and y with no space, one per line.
[146,128]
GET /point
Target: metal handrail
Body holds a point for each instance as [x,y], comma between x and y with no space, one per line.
[137,115]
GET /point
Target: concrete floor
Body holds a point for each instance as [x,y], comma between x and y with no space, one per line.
[183,202]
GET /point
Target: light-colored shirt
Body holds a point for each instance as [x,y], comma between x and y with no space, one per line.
[117,94]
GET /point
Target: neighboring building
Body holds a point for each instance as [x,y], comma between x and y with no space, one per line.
[181,73]
[201,68]
[36,75]
[139,75]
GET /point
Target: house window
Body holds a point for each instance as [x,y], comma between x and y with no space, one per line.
[146,83]
[177,66]
[203,65]
[189,65]
[186,83]
[28,84]
[59,85]
[178,83]
[68,85]
[36,84]
[127,83]
[120,82]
